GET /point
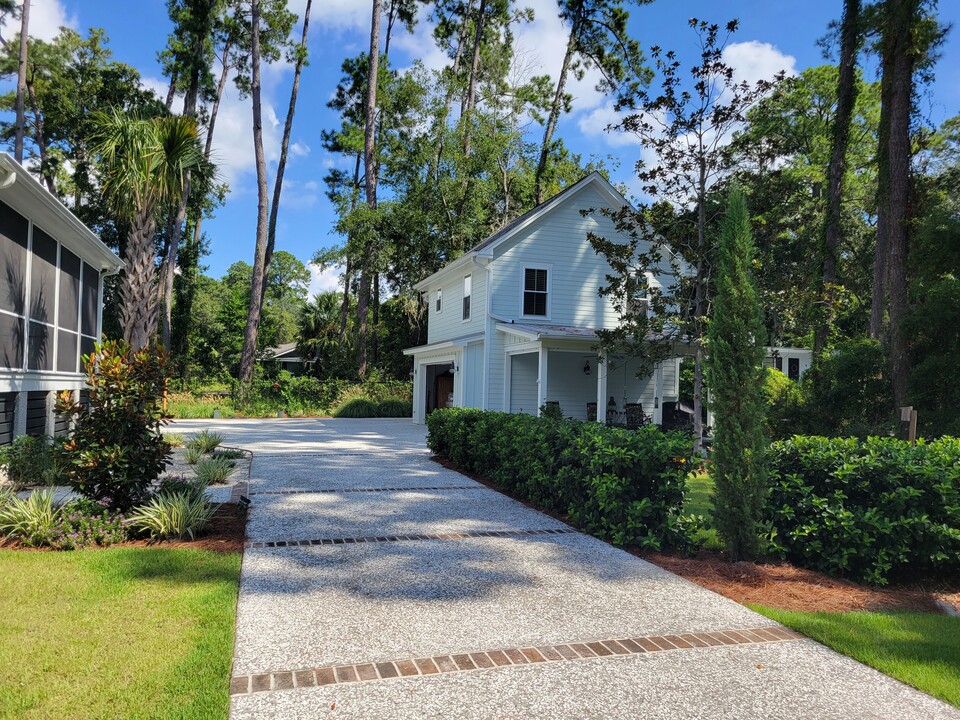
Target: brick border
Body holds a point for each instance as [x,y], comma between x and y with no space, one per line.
[366,490]
[398,538]
[465,662]
[240,488]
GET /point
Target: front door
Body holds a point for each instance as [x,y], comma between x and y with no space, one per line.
[444,389]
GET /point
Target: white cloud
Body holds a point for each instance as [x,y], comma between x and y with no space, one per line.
[596,122]
[46,19]
[299,149]
[754,60]
[297,195]
[337,14]
[323,280]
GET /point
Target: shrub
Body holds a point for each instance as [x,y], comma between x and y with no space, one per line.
[213,470]
[229,454]
[205,441]
[174,439]
[32,520]
[32,461]
[170,485]
[783,403]
[394,408]
[357,408]
[870,510]
[85,523]
[174,515]
[624,485]
[117,450]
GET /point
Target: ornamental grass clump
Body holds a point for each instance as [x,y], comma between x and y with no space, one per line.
[192,456]
[117,450]
[32,520]
[213,471]
[357,408]
[174,515]
[205,442]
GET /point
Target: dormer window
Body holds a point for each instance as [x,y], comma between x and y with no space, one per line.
[467,289]
[439,301]
[535,292]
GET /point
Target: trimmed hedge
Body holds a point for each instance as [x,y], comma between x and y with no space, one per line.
[870,510]
[623,485]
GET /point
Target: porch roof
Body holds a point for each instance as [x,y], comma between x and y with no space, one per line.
[456,343]
[533,331]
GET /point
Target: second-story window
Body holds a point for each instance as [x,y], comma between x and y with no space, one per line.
[439,300]
[467,287]
[535,291]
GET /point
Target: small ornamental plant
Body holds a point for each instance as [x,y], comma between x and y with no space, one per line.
[117,450]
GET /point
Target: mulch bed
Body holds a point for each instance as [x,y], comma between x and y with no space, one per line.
[225,533]
[778,585]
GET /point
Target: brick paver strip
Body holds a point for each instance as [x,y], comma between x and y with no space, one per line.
[401,538]
[471,662]
[325,491]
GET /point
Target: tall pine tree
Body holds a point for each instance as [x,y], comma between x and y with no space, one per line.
[735,375]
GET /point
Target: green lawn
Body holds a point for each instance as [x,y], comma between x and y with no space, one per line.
[921,649]
[699,494]
[116,633]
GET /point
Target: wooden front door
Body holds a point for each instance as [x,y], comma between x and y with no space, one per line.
[444,387]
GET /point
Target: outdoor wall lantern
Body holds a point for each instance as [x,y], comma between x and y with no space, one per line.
[586,368]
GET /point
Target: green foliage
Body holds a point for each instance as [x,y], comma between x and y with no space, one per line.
[32,461]
[552,411]
[175,485]
[783,399]
[177,515]
[394,408]
[205,441]
[117,450]
[736,374]
[175,440]
[193,455]
[37,521]
[623,485]
[357,408]
[213,470]
[870,510]
[32,520]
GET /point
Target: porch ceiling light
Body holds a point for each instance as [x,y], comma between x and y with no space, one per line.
[586,368]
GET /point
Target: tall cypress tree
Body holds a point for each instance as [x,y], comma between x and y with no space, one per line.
[735,375]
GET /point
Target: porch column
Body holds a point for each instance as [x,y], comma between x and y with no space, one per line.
[419,381]
[658,394]
[542,379]
[602,370]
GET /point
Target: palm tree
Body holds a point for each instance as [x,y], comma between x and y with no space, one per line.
[318,341]
[144,164]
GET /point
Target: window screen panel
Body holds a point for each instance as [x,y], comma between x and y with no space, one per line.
[69,302]
[535,291]
[86,346]
[466,308]
[43,277]
[535,280]
[534,303]
[67,349]
[91,289]
[11,342]
[13,259]
[40,348]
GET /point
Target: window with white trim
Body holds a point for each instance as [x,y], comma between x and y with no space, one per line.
[467,289]
[439,306]
[535,292]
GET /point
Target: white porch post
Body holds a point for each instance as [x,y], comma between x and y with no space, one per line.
[418,386]
[602,371]
[542,378]
[658,394]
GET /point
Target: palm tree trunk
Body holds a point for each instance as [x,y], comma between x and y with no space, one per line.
[284,148]
[557,104]
[248,356]
[370,181]
[22,81]
[138,306]
[846,97]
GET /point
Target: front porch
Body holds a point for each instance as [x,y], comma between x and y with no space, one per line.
[584,384]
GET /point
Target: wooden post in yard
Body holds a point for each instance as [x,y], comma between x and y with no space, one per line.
[908,424]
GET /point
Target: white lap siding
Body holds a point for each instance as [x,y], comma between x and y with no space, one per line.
[523,383]
[567,383]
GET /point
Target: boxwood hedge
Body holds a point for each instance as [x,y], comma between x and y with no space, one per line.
[623,485]
[871,510]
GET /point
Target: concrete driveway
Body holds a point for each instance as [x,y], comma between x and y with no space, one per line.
[378,584]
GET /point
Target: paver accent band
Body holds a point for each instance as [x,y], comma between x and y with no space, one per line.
[366,490]
[465,662]
[398,538]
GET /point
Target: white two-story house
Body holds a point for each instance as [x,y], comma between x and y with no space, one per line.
[512,323]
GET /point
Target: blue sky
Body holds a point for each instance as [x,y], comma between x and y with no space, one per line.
[773,35]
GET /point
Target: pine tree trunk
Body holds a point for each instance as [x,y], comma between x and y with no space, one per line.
[41,140]
[345,303]
[470,99]
[249,354]
[370,181]
[557,105]
[448,100]
[22,81]
[898,62]
[284,151]
[846,98]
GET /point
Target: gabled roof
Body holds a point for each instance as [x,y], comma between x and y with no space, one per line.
[486,248]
